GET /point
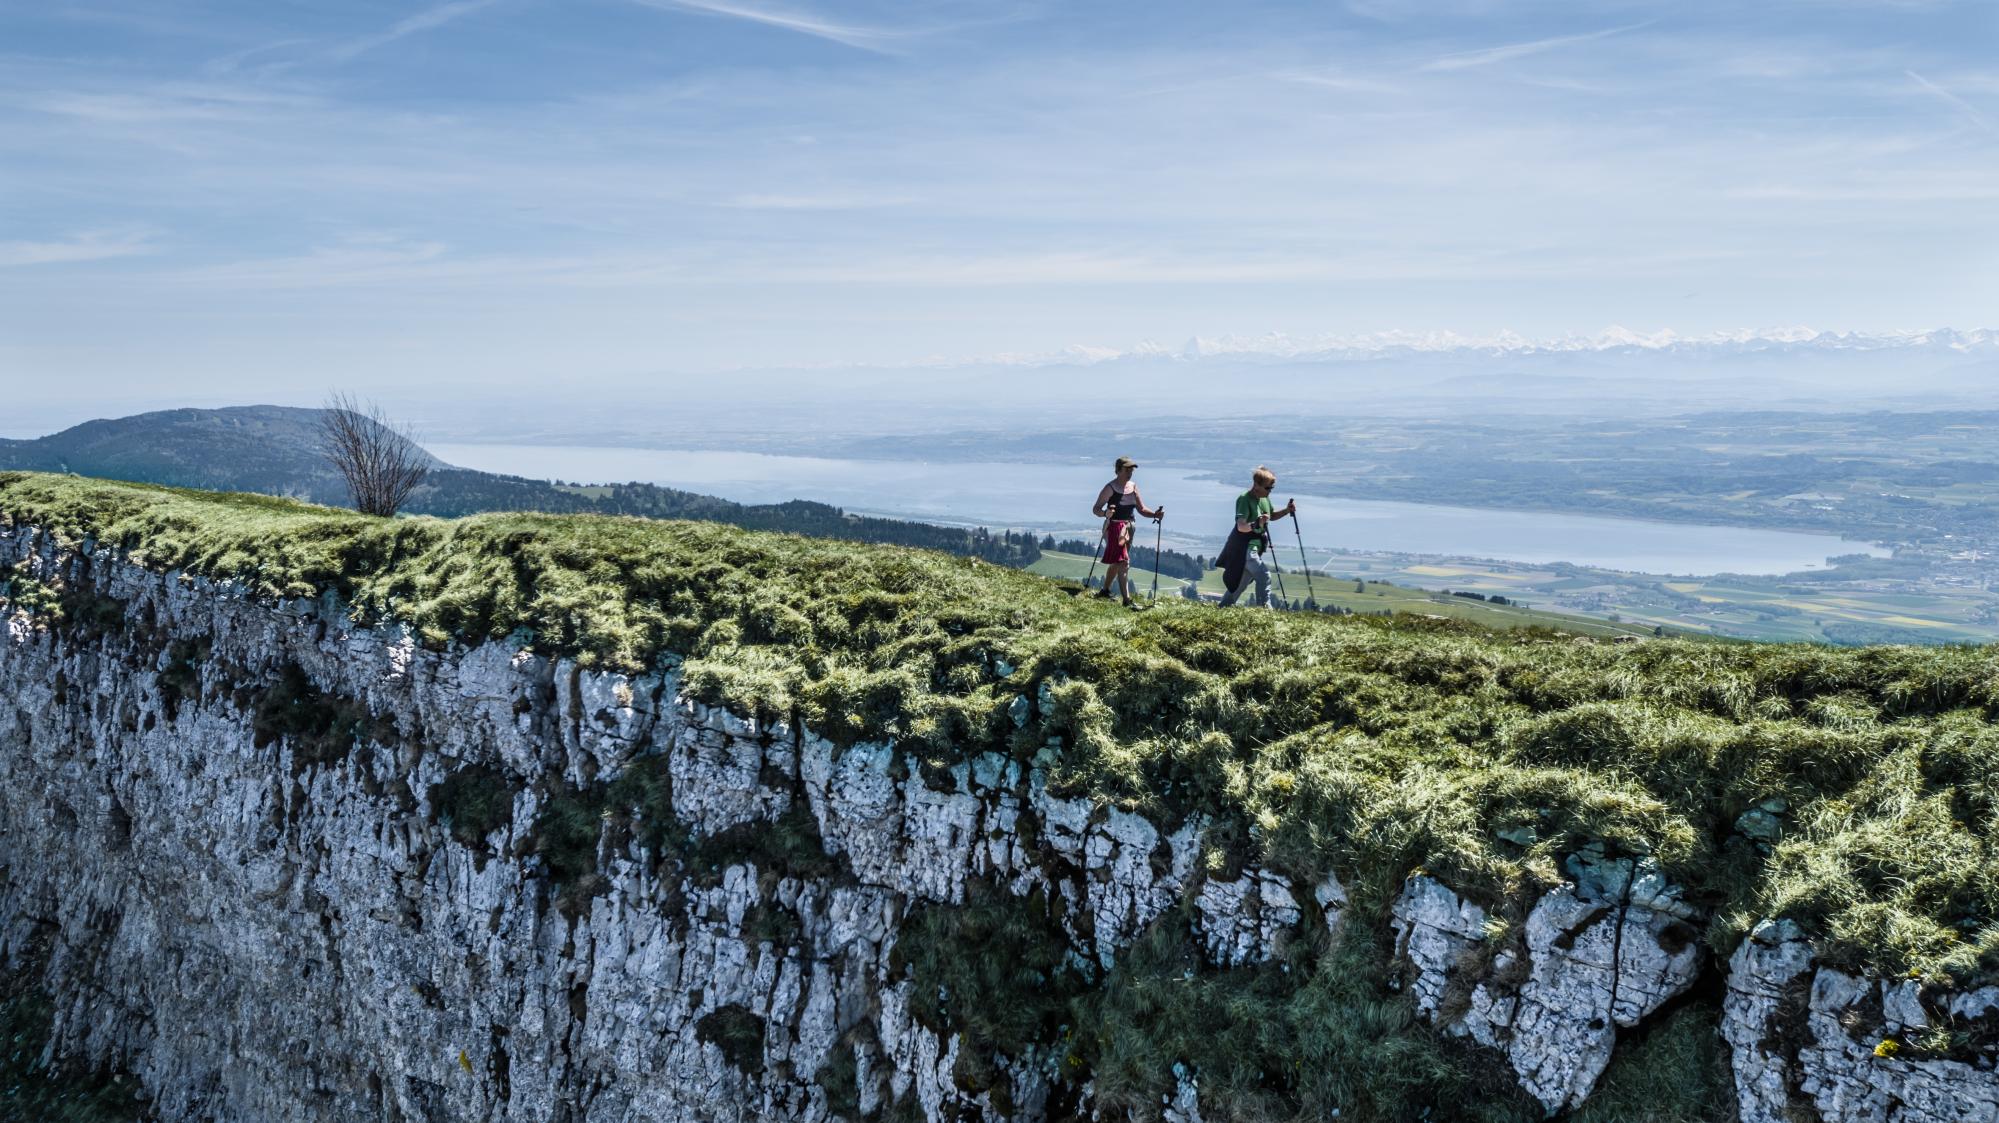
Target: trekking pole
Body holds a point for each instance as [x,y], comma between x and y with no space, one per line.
[1276,570]
[1311,596]
[1158,536]
[1101,531]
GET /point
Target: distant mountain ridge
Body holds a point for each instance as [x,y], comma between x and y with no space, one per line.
[1377,345]
[276,450]
[271,449]
[1617,372]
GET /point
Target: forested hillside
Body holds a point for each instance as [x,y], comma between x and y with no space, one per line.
[275,450]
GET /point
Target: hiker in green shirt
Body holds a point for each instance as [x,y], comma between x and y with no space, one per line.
[1241,560]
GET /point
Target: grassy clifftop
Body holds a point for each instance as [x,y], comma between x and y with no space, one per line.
[1856,791]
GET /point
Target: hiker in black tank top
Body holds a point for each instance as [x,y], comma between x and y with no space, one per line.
[1119,504]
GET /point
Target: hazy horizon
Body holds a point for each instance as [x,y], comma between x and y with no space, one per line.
[251,202]
[1616,374]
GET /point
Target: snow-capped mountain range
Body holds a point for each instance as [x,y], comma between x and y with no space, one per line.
[1279,345]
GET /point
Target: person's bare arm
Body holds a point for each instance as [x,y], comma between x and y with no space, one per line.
[1103,507]
[1289,508]
[1144,511]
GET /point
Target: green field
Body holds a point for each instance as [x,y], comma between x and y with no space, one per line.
[1075,567]
[1373,598]
[1825,610]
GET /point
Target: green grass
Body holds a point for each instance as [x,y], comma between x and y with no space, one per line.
[472,803]
[1367,746]
[1317,1035]
[23,592]
[1368,597]
[1820,610]
[1339,592]
[738,1033]
[995,968]
[1076,567]
[1675,1071]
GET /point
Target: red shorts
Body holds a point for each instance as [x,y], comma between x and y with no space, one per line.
[1117,542]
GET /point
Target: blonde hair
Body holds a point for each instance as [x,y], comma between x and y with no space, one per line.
[1262,475]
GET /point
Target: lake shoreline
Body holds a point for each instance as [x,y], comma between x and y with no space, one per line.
[1053,498]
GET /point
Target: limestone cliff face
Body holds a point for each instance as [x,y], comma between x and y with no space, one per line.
[1812,1039]
[292,869]
[1593,959]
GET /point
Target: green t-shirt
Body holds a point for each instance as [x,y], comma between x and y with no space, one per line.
[1248,508]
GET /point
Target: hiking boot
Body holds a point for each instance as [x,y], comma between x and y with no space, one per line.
[1103,594]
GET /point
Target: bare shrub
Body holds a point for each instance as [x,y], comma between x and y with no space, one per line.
[381,462]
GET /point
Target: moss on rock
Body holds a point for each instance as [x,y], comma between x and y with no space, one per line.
[1367,746]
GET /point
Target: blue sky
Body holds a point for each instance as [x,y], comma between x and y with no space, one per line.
[257,200]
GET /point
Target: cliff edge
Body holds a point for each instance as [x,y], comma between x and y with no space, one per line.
[311,816]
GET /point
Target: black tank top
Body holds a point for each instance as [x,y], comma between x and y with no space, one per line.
[1124,503]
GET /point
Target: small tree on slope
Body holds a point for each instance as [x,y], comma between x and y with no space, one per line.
[381,462]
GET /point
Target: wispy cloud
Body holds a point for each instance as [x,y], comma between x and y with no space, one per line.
[359,260]
[1901,191]
[422,21]
[862,38]
[1330,80]
[156,104]
[1016,188]
[225,65]
[1465,60]
[372,263]
[1952,100]
[825,202]
[91,245]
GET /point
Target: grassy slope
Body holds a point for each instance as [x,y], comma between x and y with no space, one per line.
[1370,746]
[1075,567]
[1377,597]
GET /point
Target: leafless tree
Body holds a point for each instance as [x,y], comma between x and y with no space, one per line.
[381,461]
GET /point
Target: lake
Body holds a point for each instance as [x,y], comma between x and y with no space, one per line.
[1057,498]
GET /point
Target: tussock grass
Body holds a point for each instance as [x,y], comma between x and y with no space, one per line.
[1317,1035]
[996,968]
[1676,1071]
[738,1033]
[1366,746]
[472,803]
